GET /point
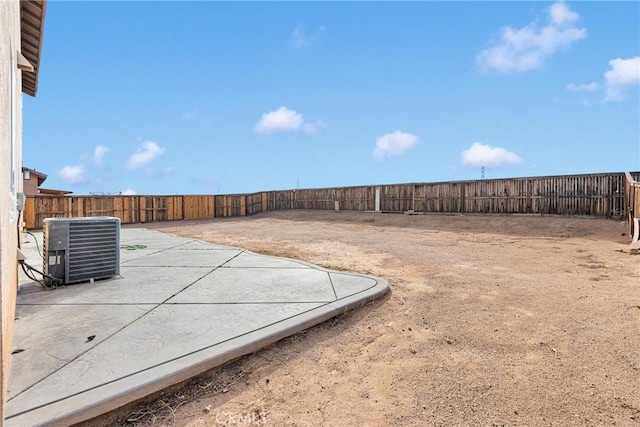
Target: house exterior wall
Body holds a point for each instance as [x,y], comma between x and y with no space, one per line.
[30,186]
[10,177]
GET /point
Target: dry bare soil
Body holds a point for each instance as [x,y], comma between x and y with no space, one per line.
[491,320]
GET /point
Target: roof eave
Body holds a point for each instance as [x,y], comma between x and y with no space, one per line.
[50,192]
[34,172]
[32,13]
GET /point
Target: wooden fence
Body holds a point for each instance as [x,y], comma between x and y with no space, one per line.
[606,195]
[632,200]
[595,195]
[130,209]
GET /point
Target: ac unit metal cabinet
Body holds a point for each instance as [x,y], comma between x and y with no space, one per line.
[81,249]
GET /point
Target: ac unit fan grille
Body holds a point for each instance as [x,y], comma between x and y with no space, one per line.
[92,251]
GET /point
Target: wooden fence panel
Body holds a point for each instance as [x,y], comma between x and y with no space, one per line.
[438,198]
[280,200]
[153,208]
[304,199]
[159,210]
[359,199]
[254,203]
[198,207]
[220,206]
[98,206]
[175,208]
[396,198]
[29,214]
[238,204]
[309,199]
[52,207]
[318,198]
[229,206]
[127,209]
[632,199]
[142,209]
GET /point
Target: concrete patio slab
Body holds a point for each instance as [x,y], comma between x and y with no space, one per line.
[254,285]
[181,307]
[350,284]
[131,254]
[136,285]
[173,257]
[197,245]
[72,325]
[250,260]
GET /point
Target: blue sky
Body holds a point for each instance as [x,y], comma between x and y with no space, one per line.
[211,97]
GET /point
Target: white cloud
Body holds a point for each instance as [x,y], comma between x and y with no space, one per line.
[145,154]
[624,74]
[286,120]
[393,144]
[128,192]
[72,174]
[299,39]
[560,14]
[280,120]
[479,155]
[589,87]
[526,48]
[98,154]
[314,128]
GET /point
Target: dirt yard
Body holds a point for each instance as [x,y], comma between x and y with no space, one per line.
[491,321]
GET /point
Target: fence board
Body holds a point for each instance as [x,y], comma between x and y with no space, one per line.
[632,199]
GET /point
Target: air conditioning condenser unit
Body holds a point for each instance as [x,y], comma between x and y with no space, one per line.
[81,249]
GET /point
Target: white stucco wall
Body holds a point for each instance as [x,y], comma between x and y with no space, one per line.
[10,179]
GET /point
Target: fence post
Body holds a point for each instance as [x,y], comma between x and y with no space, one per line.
[142,210]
